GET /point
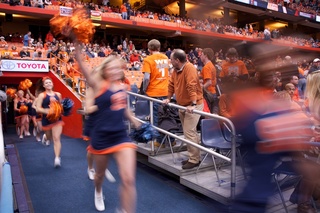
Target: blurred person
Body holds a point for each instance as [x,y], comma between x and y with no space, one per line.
[155,68]
[185,84]
[108,134]
[269,130]
[209,76]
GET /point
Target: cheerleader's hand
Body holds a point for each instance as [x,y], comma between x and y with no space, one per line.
[136,124]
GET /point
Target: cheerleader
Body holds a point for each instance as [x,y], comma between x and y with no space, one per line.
[21,116]
[108,134]
[52,127]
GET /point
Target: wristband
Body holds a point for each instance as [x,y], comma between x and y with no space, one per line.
[193,104]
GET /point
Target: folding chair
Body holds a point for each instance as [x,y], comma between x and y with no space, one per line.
[285,170]
[212,137]
[142,110]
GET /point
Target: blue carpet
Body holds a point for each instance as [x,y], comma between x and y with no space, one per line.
[68,188]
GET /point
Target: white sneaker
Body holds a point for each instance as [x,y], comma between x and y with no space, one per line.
[91,173]
[98,201]
[47,143]
[57,162]
[109,176]
[44,139]
[27,134]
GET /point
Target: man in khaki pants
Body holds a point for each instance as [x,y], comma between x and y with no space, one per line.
[185,84]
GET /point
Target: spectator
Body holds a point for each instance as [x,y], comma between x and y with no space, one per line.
[24,52]
[267,34]
[27,39]
[37,55]
[168,52]
[6,53]
[3,43]
[315,65]
[47,2]
[38,3]
[156,75]
[27,3]
[185,84]
[131,46]
[209,77]
[123,10]
[101,52]
[128,7]
[14,51]
[233,69]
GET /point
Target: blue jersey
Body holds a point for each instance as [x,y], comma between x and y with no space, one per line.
[107,123]
[46,105]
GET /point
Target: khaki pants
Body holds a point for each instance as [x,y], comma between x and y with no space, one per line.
[189,125]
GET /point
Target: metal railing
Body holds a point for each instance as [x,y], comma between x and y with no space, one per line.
[232,159]
[61,67]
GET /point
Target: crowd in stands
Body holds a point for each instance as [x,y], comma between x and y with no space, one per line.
[306,6]
[210,24]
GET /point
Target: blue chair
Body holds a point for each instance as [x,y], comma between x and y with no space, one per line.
[142,110]
[212,138]
[132,98]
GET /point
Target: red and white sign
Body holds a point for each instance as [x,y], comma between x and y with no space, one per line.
[24,66]
[96,15]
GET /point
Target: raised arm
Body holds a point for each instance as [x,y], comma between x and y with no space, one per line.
[84,69]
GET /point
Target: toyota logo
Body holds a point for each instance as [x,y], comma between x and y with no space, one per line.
[7,65]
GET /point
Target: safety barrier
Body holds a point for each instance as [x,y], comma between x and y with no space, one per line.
[232,159]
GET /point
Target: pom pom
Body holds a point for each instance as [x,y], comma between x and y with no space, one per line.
[67,105]
[55,111]
[144,134]
[23,109]
[11,92]
[26,84]
[78,24]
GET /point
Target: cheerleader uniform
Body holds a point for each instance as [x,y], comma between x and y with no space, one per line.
[46,124]
[19,104]
[107,130]
[31,110]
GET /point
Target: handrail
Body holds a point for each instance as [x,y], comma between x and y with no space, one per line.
[62,71]
[232,159]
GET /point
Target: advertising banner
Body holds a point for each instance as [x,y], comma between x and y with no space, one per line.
[24,66]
